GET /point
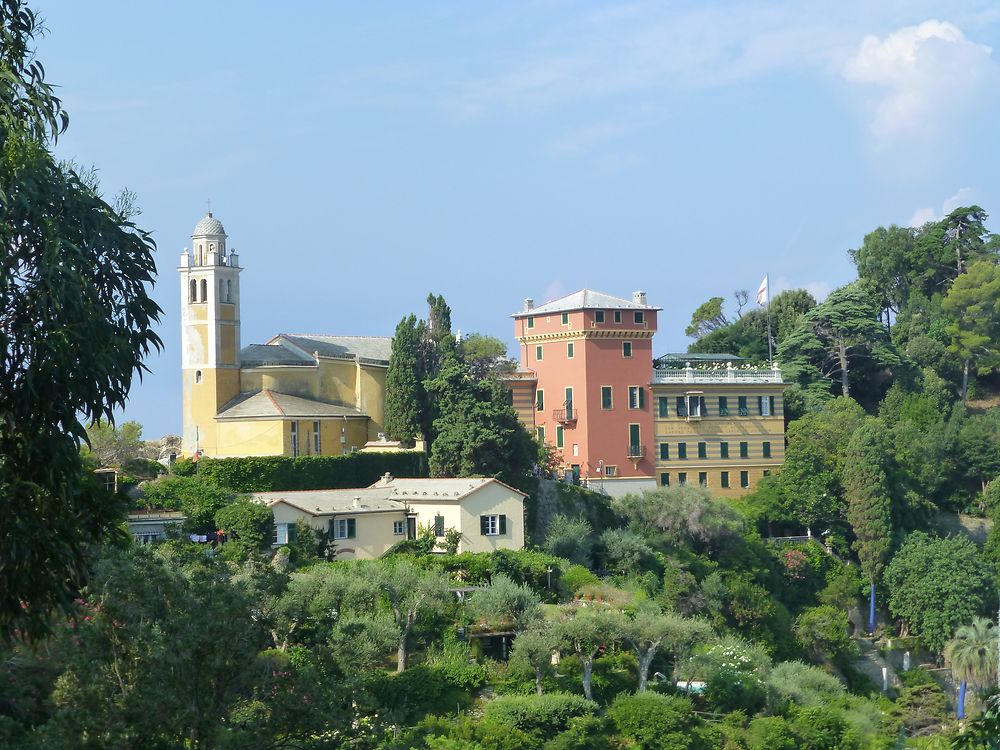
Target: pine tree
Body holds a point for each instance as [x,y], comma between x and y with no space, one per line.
[405,399]
[866,489]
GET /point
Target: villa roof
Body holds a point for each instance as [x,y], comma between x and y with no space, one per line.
[327,502]
[267,404]
[585,299]
[372,348]
[263,355]
[431,488]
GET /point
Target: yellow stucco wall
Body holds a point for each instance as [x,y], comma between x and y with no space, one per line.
[713,430]
[463,514]
[248,438]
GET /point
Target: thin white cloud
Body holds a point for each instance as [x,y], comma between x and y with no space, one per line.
[966,196]
[820,290]
[925,73]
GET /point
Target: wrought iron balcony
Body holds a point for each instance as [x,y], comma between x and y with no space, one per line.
[636,451]
[564,416]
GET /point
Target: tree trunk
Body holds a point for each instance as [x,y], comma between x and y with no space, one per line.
[401,655]
[961,699]
[588,667]
[645,660]
[965,380]
[538,680]
[845,383]
[871,610]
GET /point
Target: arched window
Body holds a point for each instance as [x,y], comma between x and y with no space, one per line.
[229,291]
[200,249]
[204,290]
[197,376]
[193,291]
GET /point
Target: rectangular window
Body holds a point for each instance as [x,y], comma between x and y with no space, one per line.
[438,525]
[774,413]
[345,528]
[682,410]
[317,443]
[540,431]
[398,528]
[531,322]
[599,316]
[493,525]
[723,449]
[606,397]
[638,317]
[765,448]
[723,406]
[702,450]
[767,472]
[695,406]
[559,436]
[634,397]
[565,318]
[539,400]
[664,451]
[703,478]
[284,533]
[665,479]
[663,406]
[724,480]
[618,316]
[295,438]
[682,478]
[610,471]
[744,411]
[569,350]
[744,479]
[626,349]
[538,353]
[682,451]
[634,441]
[744,450]
[764,406]
[568,403]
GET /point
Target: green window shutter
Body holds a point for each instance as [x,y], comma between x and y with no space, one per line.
[723,406]
[438,525]
[663,406]
[772,406]
[704,408]
[702,450]
[664,451]
[681,407]
[742,400]
[352,528]
[559,437]
[766,447]
[642,397]
[682,450]
[723,450]
[293,532]
[483,525]
[760,406]
[725,479]
[503,524]
[744,450]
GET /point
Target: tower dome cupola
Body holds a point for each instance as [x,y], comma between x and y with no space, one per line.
[209,240]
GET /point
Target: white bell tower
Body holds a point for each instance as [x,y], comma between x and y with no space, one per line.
[210,332]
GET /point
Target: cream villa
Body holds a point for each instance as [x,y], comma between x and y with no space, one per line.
[366,522]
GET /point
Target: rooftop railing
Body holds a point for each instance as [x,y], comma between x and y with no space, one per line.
[728,374]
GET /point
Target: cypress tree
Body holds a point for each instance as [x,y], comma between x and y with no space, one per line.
[404,390]
[869,506]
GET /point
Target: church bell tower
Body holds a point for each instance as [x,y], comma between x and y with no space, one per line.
[210,332]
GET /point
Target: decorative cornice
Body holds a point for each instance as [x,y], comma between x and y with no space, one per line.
[596,333]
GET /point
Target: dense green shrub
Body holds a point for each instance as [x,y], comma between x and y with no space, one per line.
[795,682]
[770,733]
[654,721]
[583,733]
[418,691]
[823,634]
[576,577]
[249,525]
[543,714]
[819,728]
[274,473]
[197,499]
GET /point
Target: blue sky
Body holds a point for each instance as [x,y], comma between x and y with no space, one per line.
[361,155]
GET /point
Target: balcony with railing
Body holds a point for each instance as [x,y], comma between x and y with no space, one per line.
[565,416]
[636,452]
[728,374]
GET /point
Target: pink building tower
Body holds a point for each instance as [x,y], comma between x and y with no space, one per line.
[587,359]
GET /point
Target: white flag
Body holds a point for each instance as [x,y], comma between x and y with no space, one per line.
[762,298]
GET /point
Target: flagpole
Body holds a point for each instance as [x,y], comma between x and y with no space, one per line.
[770,351]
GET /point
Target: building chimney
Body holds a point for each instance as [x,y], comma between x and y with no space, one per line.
[357,501]
[639,298]
[387,477]
[529,304]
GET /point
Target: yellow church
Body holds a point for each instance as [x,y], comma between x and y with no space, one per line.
[295,395]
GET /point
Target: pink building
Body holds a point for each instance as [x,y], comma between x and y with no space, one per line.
[591,358]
